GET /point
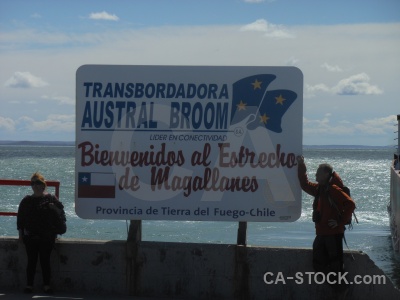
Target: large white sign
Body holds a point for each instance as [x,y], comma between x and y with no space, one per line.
[188,143]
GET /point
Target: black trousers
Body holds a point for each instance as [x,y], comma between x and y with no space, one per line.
[38,247]
[328,253]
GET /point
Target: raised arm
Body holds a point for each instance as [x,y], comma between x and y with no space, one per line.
[309,187]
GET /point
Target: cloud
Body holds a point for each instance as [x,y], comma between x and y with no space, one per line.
[269,29]
[325,127]
[60,99]
[331,68]
[314,50]
[292,61]
[373,127]
[258,1]
[36,16]
[27,36]
[317,88]
[25,127]
[7,124]
[377,126]
[356,85]
[53,123]
[25,80]
[311,90]
[103,16]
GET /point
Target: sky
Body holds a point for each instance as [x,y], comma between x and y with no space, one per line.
[347,50]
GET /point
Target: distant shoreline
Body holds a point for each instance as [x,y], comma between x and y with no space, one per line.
[72,143]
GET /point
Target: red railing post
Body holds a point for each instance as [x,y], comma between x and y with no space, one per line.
[20,182]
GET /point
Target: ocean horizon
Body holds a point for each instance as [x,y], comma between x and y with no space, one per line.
[72,143]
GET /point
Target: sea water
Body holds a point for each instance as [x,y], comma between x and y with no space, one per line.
[364,170]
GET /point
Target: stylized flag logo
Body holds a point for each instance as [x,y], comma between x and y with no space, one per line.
[260,107]
[96,185]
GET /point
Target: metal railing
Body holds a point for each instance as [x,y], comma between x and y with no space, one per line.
[19,182]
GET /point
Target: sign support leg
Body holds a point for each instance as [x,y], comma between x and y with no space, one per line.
[242,233]
[135,231]
[132,247]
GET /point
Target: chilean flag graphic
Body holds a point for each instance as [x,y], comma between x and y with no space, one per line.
[96,185]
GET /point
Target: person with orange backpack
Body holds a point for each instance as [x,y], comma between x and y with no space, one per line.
[332,210]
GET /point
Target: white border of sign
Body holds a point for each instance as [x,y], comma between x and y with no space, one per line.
[209,143]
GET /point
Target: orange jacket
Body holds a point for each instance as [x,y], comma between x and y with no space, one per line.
[345,205]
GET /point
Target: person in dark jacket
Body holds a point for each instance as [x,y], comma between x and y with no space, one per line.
[36,226]
[332,209]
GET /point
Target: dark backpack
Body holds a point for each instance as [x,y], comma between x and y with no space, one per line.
[57,219]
